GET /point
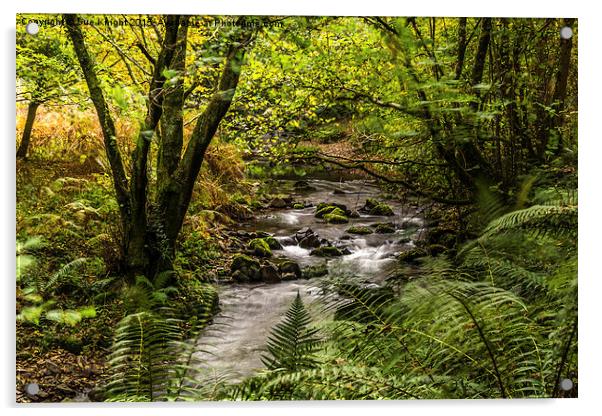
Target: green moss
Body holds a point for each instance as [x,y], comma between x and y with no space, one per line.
[382,209]
[359,229]
[370,203]
[385,228]
[273,244]
[324,208]
[298,206]
[260,247]
[321,212]
[327,251]
[336,219]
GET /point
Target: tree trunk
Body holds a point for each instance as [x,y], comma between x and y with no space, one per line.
[461,47]
[26,138]
[562,76]
[480,57]
[151,227]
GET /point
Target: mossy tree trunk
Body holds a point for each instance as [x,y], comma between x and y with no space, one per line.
[23,149]
[152,218]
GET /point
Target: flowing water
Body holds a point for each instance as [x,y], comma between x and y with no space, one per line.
[232,346]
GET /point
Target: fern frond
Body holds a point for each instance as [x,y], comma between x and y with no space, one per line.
[291,343]
[63,274]
[538,219]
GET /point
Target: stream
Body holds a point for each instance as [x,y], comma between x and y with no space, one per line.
[233,344]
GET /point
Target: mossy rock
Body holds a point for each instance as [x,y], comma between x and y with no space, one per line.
[326,251]
[290,267]
[359,229]
[240,261]
[317,270]
[269,273]
[370,203]
[244,269]
[273,244]
[298,206]
[260,247]
[336,219]
[411,255]
[324,208]
[381,210]
[384,228]
[321,212]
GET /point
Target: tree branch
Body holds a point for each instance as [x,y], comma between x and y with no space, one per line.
[412,189]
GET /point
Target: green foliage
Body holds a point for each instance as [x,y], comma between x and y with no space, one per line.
[292,343]
[35,293]
[142,357]
[153,353]
[46,68]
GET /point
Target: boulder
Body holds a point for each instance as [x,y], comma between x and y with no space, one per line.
[288,276]
[247,235]
[384,228]
[290,267]
[375,207]
[298,205]
[326,251]
[244,269]
[240,277]
[260,247]
[324,208]
[273,243]
[336,218]
[278,203]
[302,233]
[288,241]
[381,209]
[359,229]
[269,273]
[311,241]
[334,204]
[411,255]
[320,212]
[370,203]
[354,214]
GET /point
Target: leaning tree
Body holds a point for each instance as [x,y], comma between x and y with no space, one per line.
[152,212]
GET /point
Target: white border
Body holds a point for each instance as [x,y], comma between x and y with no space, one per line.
[590,95]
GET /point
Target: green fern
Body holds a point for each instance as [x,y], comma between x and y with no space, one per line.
[292,343]
[153,357]
[539,219]
[141,360]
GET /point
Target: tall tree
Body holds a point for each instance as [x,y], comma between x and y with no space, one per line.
[151,219]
